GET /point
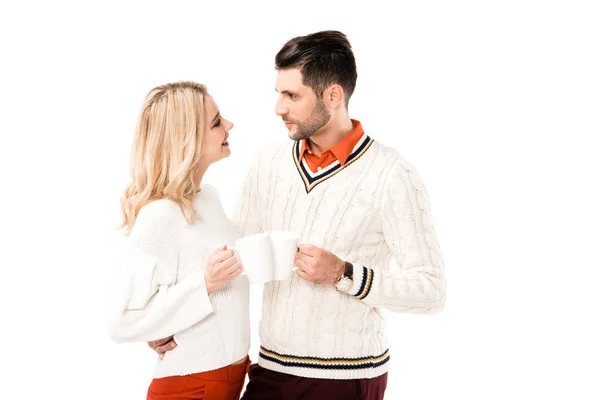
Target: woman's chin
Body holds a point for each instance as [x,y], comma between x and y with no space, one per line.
[225,152]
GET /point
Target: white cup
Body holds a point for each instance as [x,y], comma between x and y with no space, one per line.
[284,246]
[254,254]
[267,256]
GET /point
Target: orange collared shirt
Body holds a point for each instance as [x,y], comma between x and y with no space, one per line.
[340,151]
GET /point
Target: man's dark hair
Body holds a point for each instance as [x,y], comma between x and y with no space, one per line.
[324,58]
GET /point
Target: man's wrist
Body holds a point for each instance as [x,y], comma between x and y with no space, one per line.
[345,281]
[338,271]
[348,270]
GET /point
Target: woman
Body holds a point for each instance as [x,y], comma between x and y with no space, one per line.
[173,282]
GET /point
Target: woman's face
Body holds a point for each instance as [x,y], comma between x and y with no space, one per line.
[216,133]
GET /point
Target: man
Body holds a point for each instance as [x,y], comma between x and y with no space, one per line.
[357,203]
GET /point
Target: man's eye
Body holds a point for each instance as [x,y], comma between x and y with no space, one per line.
[293,96]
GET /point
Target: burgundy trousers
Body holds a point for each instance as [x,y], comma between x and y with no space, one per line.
[265,384]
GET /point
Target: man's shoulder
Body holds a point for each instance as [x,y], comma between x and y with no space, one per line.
[274,148]
[391,157]
[398,169]
[280,145]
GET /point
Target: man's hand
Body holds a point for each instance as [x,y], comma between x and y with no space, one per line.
[161,346]
[317,265]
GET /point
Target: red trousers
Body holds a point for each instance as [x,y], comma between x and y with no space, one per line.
[221,384]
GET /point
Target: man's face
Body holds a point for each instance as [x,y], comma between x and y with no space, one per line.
[302,112]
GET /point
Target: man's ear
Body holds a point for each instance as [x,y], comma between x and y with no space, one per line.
[333,96]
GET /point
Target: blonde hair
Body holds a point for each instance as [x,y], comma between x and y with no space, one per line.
[166,149]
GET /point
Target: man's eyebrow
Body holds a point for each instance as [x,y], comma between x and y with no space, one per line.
[284,91]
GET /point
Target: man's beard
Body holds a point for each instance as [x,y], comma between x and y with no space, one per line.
[317,119]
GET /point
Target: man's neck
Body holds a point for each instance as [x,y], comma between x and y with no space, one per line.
[330,135]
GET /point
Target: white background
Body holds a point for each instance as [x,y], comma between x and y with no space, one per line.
[496,103]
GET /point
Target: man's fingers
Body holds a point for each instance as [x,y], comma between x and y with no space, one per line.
[303,275]
[307,249]
[161,350]
[155,343]
[304,260]
[302,265]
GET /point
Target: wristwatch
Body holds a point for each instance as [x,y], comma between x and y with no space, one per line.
[344,282]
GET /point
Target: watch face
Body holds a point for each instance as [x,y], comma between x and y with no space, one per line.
[344,284]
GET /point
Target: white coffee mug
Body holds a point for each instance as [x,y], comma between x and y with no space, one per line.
[284,246]
[255,255]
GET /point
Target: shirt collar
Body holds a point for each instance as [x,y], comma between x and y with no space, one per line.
[342,150]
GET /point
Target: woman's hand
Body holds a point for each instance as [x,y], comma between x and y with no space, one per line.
[222,267]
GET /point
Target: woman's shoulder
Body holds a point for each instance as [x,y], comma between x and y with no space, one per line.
[209,193]
[208,188]
[161,212]
[157,222]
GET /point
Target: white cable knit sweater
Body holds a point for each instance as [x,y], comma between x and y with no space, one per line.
[160,288]
[372,208]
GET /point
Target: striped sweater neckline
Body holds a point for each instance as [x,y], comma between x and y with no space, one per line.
[312,179]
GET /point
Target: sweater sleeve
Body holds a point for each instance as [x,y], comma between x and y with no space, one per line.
[247,215]
[145,303]
[420,284]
